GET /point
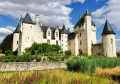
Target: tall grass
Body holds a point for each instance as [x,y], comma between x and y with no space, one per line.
[51,77]
[89,65]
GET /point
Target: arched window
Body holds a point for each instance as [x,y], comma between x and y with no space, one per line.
[48,33]
[56,34]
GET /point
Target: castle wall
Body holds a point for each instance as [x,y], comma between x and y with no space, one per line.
[71,46]
[15,41]
[109,45]
[97,49]
[24,66]
[27,38]
[64,41]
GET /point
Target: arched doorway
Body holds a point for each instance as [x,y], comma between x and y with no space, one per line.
[80,52]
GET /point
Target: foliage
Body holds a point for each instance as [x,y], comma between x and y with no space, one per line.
[7,43]
[9,52]
[13,58]
[44,49]
[51,77]
[89,65]
[68,53]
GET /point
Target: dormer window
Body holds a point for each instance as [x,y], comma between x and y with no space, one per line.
[56,34]
[48,33]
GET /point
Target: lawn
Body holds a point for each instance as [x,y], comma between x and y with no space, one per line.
[57,76]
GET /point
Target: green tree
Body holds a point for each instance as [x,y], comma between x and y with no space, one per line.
[7,43]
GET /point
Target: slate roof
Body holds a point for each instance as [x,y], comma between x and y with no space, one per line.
[64,31]
[27,19]
[17,30]
[107,29]
[82,20]
[71,35]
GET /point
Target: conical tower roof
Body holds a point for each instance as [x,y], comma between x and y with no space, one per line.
[87,12]
[64,30]
[107,29]
[27,19]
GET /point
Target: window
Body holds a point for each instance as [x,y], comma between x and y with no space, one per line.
[80,34]
[48,33]
[56,42]
[56,34]
[80,42]
[111,40]
[17,42]
[48,41]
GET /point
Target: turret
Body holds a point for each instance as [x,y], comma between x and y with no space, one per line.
[37,19]
[88,29]
[108,40]
[64,38]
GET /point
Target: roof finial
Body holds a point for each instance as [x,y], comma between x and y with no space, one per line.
[27,11]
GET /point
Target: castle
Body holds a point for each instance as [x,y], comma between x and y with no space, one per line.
[81,41]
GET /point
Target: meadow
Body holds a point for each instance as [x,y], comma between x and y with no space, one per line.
[57,76]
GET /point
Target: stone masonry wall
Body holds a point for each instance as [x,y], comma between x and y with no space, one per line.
[24,66]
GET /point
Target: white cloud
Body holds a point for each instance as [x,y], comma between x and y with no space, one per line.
[111,11]
[5,31]
[52,12]
[82,1]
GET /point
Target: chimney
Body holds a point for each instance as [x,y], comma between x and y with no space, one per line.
[37,19]
[68,29]
[21,19]
[40,23]
[58,27]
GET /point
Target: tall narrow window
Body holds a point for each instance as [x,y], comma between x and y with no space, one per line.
[80,42]
[48,33]
[56,42]
[111,40]
[56,34]
[17,42]
[48,41]
[80,34]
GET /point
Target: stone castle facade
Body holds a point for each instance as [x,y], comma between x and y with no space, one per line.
[81,41]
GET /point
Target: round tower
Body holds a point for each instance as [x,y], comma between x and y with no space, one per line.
[64,39]
[108,40]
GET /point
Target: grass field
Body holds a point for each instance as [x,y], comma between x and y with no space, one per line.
[57,76]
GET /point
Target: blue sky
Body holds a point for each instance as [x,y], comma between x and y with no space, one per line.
[57,12]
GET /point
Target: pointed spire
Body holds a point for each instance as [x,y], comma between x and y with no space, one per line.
[27,19]
[64,30]
[87,12]
[107,29]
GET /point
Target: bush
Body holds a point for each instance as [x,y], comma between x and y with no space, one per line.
[13,58]
[9,52]
[89,65]
[44,49]
[68,53]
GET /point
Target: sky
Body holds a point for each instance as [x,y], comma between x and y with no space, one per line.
[58,12]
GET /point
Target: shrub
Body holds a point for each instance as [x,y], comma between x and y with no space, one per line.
[25,58]
[68,53]
[44,49]
[9,52]
[89,65]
